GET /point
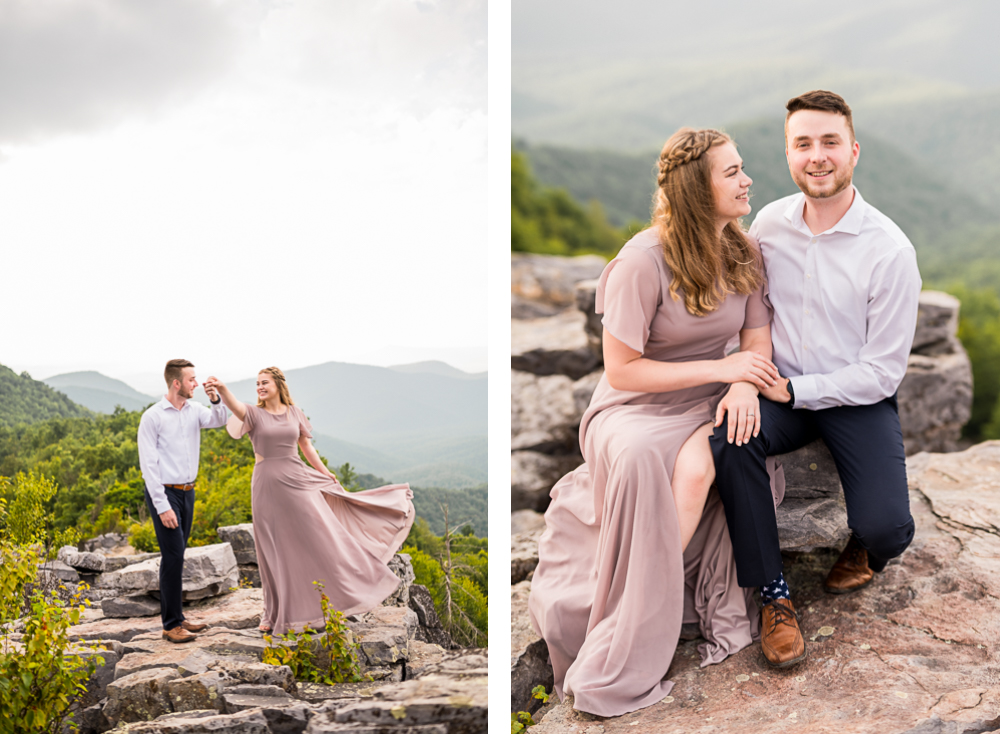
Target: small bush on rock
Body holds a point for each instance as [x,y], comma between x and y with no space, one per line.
[143,537]
[295,649]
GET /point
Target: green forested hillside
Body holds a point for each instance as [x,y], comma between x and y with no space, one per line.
[24,400]
[99,392]
[919,199]
[957,249]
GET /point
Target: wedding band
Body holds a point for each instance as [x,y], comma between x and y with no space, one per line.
[749,415]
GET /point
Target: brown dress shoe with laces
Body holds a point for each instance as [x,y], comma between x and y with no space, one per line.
[192,627]
[850,572]
[178,634]
[780,636]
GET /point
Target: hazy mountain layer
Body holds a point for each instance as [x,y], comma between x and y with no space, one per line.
[915,196]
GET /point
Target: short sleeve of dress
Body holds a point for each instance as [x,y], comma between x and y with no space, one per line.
[305,428]
[758,308]
[628,294]
[249,420]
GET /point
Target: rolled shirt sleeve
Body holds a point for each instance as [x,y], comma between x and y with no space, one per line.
[149,462]
[881,362]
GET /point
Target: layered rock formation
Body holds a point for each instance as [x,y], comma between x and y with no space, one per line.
[551,386]
[419,680]
[915,652]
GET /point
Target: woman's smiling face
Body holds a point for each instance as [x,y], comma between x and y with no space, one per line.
[730,183]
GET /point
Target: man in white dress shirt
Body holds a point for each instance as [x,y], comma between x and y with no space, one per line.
[169,446]
[844,285]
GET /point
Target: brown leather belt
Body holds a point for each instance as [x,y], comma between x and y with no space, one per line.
[185,487]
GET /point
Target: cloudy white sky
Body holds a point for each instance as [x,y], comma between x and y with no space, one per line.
[242,184]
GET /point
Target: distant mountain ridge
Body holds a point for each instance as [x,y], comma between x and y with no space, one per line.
[99,392]
[25,400]
[423,423]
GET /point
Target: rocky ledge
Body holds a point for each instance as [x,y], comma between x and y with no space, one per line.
[915,652]
[418,680]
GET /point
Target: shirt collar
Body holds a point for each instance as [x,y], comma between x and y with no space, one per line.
[850,223]
[166,404]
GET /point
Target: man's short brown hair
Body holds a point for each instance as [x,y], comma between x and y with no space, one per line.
[175,371]
[823,101]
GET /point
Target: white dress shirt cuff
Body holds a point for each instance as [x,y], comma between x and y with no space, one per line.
[806,391]
[159,497]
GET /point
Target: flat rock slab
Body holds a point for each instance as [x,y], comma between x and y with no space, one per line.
[554,345]
[915,651]
[209,570]
[246,722]
[460,703]
[122,630]
[133,605]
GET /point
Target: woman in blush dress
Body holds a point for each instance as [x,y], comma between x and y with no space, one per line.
[636,544]
[307,527]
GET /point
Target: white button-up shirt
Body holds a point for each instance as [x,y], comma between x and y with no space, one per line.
[170,443]
[845,302]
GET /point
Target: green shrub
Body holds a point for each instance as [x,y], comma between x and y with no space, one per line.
[38,681]
[297,651]
[27,513]
[143,537]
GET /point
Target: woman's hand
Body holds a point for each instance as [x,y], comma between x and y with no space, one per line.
[748,367]
[743,406]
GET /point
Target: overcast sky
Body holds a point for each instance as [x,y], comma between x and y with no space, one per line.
[241,184]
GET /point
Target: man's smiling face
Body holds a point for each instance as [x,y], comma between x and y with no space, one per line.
[821,152]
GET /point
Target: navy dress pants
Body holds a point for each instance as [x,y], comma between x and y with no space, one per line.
[172,543]
[867,445]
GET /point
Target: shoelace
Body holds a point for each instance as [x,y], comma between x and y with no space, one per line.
[781,615]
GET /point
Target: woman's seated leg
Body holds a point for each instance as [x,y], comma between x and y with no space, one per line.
[694,472]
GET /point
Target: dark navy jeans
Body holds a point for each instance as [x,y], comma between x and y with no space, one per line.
[867,445]
[172,543]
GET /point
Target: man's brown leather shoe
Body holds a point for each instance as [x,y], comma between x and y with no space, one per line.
[780,636]
[851,571]
[178,634]
[192,627]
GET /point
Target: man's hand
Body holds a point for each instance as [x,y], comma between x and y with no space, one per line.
[778,393]
[211,386]
[169,519]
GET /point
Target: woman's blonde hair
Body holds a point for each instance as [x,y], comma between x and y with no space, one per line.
[279,380]
[703,266]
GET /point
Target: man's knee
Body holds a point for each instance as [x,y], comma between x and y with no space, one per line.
[884,540]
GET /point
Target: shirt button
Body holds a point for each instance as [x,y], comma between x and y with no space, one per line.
[812,241]
[807,311]
[808,275]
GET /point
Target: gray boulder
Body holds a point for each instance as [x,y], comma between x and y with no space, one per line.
[551,279]
[401,565]
[935,401]
[556,345]
[132,605]
[532,475]
[198,692]
[429,627]
[543,413]
[812,514]
[140,696]
[937,324]
[58,572]
[241,538]
[529,656]
[524,543]
[209,570]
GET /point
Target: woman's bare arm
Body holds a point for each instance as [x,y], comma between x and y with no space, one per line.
[238,408]
[628,370]
[312,456]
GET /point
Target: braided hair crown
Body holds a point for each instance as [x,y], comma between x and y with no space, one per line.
[690,145]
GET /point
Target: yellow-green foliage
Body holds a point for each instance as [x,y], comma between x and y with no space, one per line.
[142,537]
[522,719]
[38,682]
[27,516]
[297,651]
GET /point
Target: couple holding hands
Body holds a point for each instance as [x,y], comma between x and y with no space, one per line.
[671,520]
[307,527]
